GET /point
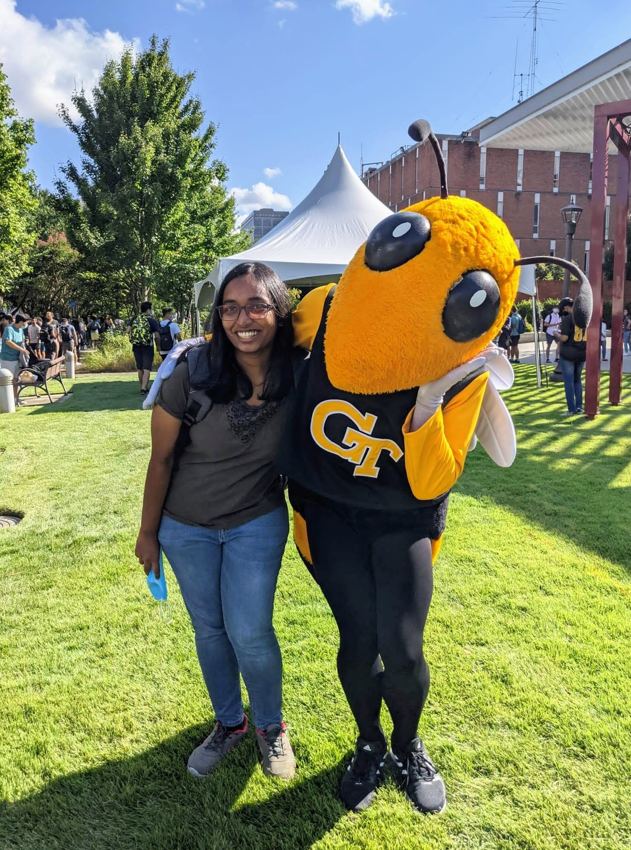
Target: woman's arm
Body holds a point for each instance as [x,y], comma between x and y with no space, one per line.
[164,432]
[12,344]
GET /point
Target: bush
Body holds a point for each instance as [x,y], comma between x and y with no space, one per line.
[114,354]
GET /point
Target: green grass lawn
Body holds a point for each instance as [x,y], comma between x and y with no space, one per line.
[101,700]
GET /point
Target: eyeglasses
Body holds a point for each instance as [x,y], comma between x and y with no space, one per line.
[231,312]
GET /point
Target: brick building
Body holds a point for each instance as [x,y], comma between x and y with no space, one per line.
[526,188]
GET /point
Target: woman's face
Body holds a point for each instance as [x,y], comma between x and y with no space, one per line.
[249,335]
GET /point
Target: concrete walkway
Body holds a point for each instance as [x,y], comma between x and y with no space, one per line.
[527,355]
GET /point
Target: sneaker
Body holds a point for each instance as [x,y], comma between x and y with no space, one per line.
[275,747]
[419,779]
[517,361]
[569,413]
[580,410]
[547,359]
[363,775]
[218,744]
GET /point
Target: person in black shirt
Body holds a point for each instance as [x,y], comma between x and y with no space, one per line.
[572,360]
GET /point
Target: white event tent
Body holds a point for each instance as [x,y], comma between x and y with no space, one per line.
[317,240]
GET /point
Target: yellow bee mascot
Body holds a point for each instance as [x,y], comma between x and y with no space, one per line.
[401,381]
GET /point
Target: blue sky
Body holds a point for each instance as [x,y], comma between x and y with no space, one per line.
[282,77]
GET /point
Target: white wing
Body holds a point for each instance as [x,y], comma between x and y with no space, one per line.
[502,375]
[495,430]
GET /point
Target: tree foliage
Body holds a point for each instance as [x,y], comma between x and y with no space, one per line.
[16,136]
[146,207]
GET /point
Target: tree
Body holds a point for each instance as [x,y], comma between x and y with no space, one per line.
[51,281]
[548,271]
[16,199]
[152,213]
[608,257]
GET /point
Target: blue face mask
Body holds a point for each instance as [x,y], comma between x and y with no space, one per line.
[158,586]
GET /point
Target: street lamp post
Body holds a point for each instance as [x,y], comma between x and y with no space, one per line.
[571,215]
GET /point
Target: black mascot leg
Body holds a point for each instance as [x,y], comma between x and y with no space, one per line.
[403,573]
[343,568]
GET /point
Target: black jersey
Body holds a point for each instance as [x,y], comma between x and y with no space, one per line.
[347,447]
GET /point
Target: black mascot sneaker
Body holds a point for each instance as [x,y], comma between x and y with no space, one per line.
[363,775]
[419,779]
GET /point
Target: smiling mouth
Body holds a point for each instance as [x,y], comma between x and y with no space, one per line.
[246,334]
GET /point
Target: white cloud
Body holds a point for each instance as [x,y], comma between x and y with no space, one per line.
[281,23]
[270,173]
[366,10]
[260,195]
[45,64]
[288,5]
[189,5]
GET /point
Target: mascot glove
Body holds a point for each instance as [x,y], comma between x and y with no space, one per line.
[430,396]
[167,368]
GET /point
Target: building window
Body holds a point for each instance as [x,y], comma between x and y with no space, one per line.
[423,194]
[520,169]
[482,168]
[416,174]
[446,156]
[463,193]
[500,204]
[572,199]
[553,247]
[402,175]
[518,242]
[591,169]
[607,216]
[586,266]
[557,164]
[396,208]
[535,224]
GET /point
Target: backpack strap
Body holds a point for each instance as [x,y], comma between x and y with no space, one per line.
[199,402]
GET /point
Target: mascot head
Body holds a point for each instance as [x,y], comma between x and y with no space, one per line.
[428,290]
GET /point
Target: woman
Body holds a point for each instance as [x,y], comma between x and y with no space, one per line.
[572,360]
[220,515]
[626,332]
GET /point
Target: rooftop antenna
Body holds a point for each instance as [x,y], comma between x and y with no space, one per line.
[533,10]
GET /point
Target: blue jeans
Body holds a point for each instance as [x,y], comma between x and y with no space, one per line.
[572,372]
[228,581]
[626,338]
[603,348]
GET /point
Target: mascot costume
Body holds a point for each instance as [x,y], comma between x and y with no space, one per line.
[400,383]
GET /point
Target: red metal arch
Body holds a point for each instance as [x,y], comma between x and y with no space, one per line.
[608,126]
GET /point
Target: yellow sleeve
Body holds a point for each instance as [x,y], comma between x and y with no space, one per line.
[435,454]
[307,316]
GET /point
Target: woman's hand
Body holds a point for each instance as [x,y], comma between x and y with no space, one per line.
[148,552]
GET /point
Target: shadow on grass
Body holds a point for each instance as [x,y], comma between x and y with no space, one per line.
[564,474]
[150,801]
[87,396]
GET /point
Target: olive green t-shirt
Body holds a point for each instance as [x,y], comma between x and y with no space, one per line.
[227,474]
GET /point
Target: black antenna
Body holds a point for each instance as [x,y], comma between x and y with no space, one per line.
[420,131]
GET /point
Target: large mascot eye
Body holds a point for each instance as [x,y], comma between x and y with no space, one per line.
[395,240]
[471,307]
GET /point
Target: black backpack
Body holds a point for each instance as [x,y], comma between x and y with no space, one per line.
[47,333]
[166,339]
[66,333]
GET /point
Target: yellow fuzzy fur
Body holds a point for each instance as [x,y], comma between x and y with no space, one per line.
[384,330]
